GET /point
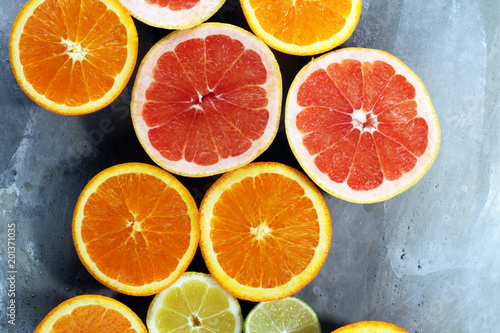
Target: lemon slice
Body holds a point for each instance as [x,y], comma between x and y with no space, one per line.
[194,303]
[285,315]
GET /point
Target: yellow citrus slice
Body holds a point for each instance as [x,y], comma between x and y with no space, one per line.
[91,313]
[73,57]
[361,124]
[173,14]
[302,27]
[370,326]
[135,228]
[207,100]
[265,231]
[290,314]
[194,303]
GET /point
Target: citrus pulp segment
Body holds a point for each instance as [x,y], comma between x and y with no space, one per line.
[207,100]
[265,231]
[73,57]
[194,303]
[361,124]
[91,313]
[135,228]
[302,27]
[172,14]
[285,315]
[370,326]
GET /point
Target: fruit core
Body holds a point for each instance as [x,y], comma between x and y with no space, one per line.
[74,50]
[364,121]
[260,232]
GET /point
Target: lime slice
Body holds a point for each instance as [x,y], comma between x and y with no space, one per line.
[286,315]
[194,303]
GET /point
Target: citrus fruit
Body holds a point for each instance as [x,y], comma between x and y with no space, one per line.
[73,57]
[207,100]
[135,228]
[194,303]
[302,27]
[361,124]
[265,231]
[285,315]
[91,313]
[172,14]
[370,326]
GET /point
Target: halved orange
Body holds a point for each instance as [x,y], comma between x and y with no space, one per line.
[207,100]
[91,313]
[75,56]
[173,14]
[361,124]
[302,27]
[370,326]
[265,231]
[135,228]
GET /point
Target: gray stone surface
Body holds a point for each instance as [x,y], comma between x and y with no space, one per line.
[425,260]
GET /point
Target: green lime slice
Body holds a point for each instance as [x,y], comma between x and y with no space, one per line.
[289,315]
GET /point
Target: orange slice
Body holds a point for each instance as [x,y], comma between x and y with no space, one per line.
[302,27]
[265,231]
[361,124]
[135,228]
[173,14]
[370,326]
[73,57]
[207,100]
[91,313]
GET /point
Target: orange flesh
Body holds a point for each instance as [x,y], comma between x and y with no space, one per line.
[264,230]
[136,229]
[60,30]
[290,21]
[93,318]
[206,103]
[174,5]
[360,122]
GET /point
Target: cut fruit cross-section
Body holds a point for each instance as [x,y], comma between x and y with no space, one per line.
[194,303]
[73,57]
[302,27]
[370,326]
[172,14]
[361,124]
[207,100]
[135,228]
[265,231]
[91,313]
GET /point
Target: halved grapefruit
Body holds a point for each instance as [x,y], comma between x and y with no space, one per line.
[172,14]
[361,124]
[207,100]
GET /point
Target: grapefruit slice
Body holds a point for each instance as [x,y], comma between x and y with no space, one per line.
[172,14]
[207,100]
[73,57]
[265,231]
[91,313]
[361,124]
[135,228]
